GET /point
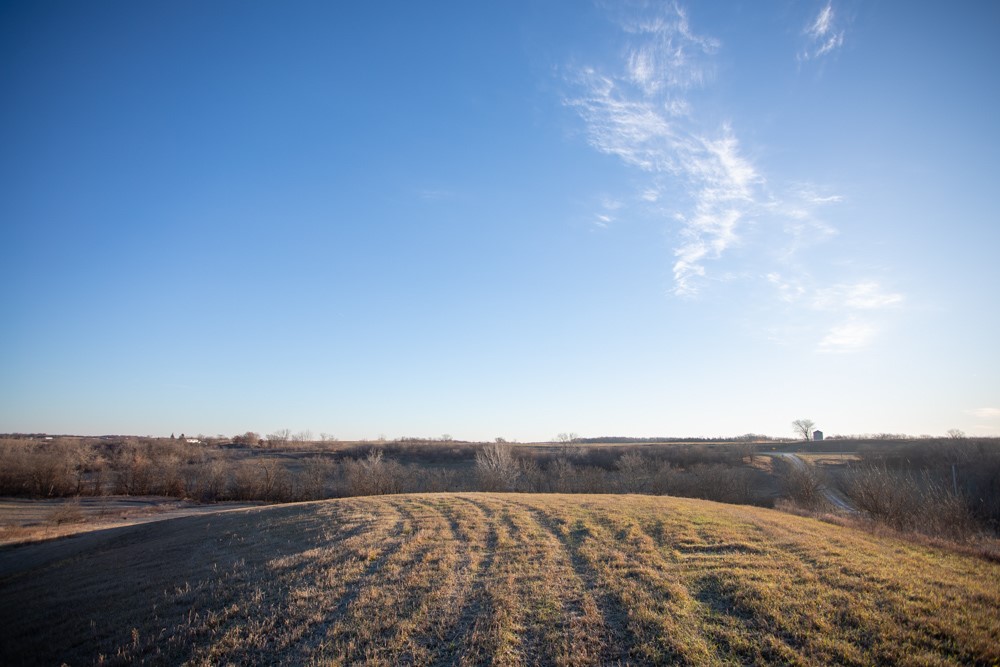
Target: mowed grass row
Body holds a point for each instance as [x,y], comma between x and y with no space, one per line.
[503,579]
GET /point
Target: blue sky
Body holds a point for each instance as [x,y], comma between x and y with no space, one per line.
[499,219]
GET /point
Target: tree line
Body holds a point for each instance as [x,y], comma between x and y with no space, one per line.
[943,486]
[133,466]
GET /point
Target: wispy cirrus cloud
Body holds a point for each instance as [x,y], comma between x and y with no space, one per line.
[607,212]
[850,336]
[851,315]
[729,223]
[862,302]
[867,295]
[823,34]
[789,290]
[671,56]
[640,114]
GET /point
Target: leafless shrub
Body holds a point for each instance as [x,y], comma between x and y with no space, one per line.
[945,513]
[244,482]
[496,468]
[248,439]
[909,502]
[533,478]
[191,477]
[261,479]
[169,481]
[87,471]
[97,475]
[211,481]
[373,475]
[746,448]
[48,471]
[980,484]
[435,480]
[883,495]
[132,471]
[315,478]
[67,512]
[658,476]
[804,487]
[274,481]
[665,479]
[723,483]
[279,439]
[11,470]
[592,479]
[561,475]
[634,473]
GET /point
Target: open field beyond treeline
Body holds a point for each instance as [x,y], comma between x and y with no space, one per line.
[478,578]
[23,520]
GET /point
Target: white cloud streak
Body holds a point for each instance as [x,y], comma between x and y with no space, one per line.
[855,309]
[606,214]
[864,300]
[824,35]
[821,25]
[639,110]
[642,117]
[848,337]
[859,296]
[789,290]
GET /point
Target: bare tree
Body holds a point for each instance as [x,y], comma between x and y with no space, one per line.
[562,475]
[804,428]
[248,439]
[956,433]
[746,449]
[214,478]
[373,475]
[804,486]
[633,472]
[496,467]
[317,472]
[279,438]
[272,479]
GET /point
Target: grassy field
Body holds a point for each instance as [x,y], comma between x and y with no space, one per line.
[495,578]
[23,520]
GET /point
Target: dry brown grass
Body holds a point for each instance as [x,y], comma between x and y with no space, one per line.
[828,459]
[25,520]
[502,579]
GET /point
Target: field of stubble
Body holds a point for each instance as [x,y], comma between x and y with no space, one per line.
[502,579]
